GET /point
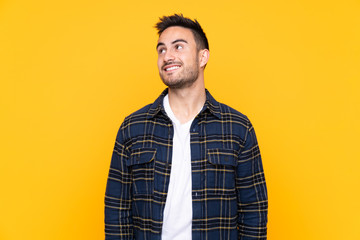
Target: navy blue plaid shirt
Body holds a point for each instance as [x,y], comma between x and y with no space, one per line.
[228,186]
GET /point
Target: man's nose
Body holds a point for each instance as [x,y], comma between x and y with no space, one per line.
[169,56]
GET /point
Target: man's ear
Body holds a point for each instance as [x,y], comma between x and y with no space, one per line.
[204,55]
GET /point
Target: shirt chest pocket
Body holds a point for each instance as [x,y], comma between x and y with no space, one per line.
[141,163]
[220,171]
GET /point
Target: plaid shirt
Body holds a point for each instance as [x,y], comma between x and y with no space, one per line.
[228,186]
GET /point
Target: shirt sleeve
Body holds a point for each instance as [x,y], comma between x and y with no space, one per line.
[251,191]
[118,219]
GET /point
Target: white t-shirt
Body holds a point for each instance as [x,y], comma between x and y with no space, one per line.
[177,222]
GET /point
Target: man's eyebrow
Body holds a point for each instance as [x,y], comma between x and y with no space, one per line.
[179,40]
[173,42]
[159,44]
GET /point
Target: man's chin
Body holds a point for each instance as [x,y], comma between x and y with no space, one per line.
[179,84]
[173,85]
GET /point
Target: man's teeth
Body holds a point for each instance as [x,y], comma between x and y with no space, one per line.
[172,68]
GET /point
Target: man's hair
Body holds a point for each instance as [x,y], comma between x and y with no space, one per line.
[181,21]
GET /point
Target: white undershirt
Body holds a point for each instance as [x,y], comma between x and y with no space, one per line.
[177,222]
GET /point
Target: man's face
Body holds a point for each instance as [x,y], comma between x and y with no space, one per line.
[178,60]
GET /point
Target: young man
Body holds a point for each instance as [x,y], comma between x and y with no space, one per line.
[186,166]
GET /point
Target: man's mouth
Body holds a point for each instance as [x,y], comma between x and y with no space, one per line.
[171,68]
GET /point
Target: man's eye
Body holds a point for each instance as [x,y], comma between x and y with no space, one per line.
[179,47]
[161,51]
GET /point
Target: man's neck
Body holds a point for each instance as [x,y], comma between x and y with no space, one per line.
[186,102]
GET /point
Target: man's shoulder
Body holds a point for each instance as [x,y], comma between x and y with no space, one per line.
[139,114]
[147,111]
[225,112]
[232,114]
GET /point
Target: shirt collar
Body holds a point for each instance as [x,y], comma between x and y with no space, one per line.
[210,105]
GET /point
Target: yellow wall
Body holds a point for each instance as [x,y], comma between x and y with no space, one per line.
[70,71]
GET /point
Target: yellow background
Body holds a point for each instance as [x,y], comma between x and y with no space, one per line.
[71,71]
